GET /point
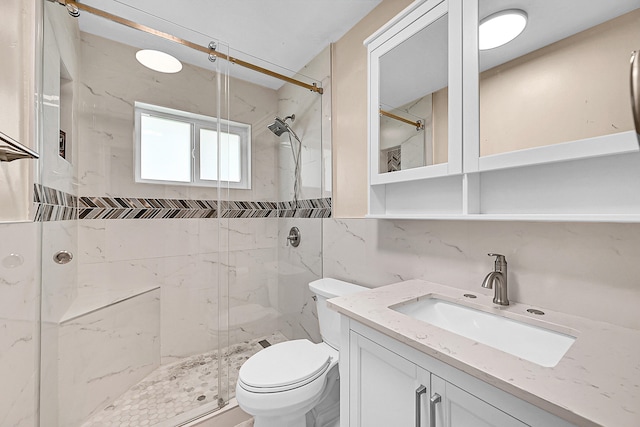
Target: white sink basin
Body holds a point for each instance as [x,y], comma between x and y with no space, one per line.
[544,347]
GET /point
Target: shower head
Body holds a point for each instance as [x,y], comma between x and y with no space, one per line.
[279,126]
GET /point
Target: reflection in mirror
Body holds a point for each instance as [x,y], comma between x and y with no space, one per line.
[414,100]
[404,144]
[564,78]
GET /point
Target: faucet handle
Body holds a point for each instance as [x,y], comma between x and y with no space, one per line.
[500,262]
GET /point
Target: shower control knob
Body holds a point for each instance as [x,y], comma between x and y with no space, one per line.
[294,237]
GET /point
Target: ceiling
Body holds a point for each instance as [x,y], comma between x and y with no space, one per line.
[280,35]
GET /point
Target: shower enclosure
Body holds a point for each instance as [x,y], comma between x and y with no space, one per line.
[125,300]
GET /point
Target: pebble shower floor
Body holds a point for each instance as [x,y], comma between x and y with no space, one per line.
[176,388]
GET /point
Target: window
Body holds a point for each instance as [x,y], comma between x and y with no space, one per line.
[176,147]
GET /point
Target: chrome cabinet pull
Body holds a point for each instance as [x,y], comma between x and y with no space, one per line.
[435,399]
[635,88]
[419,392]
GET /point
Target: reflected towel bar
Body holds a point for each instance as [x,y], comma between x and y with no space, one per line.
[418,123]
[14,150]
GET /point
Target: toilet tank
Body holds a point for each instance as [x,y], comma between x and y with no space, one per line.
[330,320]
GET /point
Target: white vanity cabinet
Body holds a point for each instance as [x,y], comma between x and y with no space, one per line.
[457,408]
[385,386]
[539,129]
[386,383]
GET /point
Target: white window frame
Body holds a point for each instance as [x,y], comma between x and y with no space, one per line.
[197,122]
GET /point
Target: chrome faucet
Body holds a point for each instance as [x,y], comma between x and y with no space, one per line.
[499,277]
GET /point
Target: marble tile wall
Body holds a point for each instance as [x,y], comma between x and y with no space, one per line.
[297,268]
[301,265]
[103,353]
[59,293]
[126,257]
[19,241]
[251,264]
[588,270]
[19,331]
[189,275]
[312,125]
[107,126]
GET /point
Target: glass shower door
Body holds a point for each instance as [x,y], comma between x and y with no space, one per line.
[131,324]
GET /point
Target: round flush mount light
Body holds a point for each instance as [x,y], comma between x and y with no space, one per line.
[500,28]
[158,61]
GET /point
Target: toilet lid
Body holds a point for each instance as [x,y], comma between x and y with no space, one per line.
[285,364]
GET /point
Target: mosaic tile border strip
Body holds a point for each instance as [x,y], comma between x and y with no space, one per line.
[145,208]
[150,208]
[309,208]
[53,205]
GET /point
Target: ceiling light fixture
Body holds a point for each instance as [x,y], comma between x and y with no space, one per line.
[158,61]
[500,28]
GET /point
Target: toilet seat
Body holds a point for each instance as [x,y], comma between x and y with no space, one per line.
[285,366]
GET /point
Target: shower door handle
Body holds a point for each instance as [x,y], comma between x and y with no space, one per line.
[635,88]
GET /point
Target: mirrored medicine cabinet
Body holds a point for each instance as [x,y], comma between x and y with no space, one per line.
[538,128]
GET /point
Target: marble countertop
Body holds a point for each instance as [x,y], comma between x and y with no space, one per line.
[596,383]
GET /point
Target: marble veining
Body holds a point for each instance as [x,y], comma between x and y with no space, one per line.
[591,260]
[596,383]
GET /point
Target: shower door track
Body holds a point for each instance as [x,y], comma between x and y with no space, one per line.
[74,8]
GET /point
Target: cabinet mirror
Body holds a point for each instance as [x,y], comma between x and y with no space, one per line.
[413,99]
[564,78]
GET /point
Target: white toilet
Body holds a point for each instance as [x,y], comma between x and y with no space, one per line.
[282,383]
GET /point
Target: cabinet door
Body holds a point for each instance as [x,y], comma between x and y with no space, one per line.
[458,408]
[386,389]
